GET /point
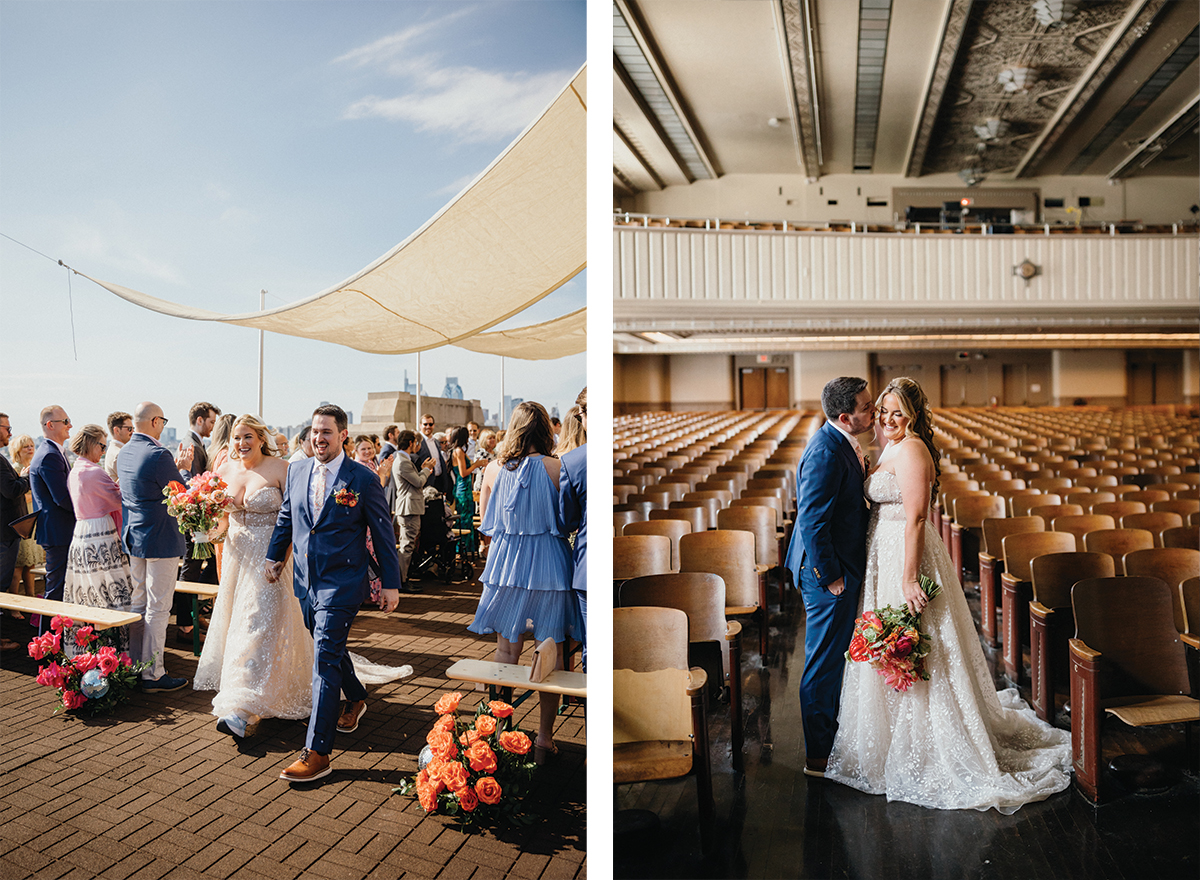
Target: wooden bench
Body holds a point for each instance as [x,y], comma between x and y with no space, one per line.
[99,618]
[507,675]
[197,592]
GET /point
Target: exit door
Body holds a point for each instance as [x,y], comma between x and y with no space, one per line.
[764,387]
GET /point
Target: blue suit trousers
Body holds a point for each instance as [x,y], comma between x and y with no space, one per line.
[333,673]
[829,626]
[56,577]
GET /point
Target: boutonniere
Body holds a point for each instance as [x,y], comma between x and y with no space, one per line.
[346,497]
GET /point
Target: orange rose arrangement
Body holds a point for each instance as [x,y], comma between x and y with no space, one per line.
[473,770]
[891,640]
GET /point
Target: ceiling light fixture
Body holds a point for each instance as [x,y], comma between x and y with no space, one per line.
[1050,12]
[1017,79]
[992,129]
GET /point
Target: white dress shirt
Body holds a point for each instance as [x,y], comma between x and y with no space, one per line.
[331,472]
[435,452]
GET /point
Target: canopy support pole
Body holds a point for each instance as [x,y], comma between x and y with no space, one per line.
[262,306]
[417,405]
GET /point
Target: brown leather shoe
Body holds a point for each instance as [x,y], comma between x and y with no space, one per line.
[815,767]
[351,712]
[309,767]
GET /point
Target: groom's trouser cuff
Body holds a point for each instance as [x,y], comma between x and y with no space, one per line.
[333,675]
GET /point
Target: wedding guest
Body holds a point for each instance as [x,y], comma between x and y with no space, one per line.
[12,506]
[203,418]
[388,451]
[281,445]
[151,538]
[218,442]
[439,477]
[29,551]
[56,514]
[572,503]
[572,435]
[302,446]
[464,484]
[556,426]
[472,440]
[120,429]
[409,480]
[364,454]
[486,450]
[97,568]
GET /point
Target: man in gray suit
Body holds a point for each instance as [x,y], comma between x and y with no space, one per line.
[409,480]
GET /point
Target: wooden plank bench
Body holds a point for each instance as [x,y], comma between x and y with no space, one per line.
[507,675]
[197,592]
[99,618]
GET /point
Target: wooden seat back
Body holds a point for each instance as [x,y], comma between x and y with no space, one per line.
[695,513]
[1096,482]
[1147,496]
[658,499]
[1080,525]
[770,501]
[1021,549]
[758,521]
[1117,542]
[712,501]
[729,554]
[995,530]
[995,486]
[1055,573]
[1050,484]
[1172,565]
[1189,605]
[1117,509]
[622,517]
[621,492]
[638,555]
[971,510]
[1181,506]
[1154,523]
[1181,536]
[672,529]
[1050,511]
[1021,505]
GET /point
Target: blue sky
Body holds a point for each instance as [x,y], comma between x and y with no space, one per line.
[202,151]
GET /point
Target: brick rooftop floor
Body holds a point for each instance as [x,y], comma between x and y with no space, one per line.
[155,791]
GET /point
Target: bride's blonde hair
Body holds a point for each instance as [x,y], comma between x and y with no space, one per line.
[915,406]
[266,441]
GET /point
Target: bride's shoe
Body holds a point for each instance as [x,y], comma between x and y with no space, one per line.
[542,752]
[237,726]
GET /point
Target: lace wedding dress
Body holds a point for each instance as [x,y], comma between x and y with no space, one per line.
[952,742]
[258,655]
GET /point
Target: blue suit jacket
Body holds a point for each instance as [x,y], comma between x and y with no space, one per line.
[51,500]
[330,556]
[830,535]
[572,505]
[144,468]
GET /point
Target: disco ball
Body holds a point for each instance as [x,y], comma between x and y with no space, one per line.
[94,685]
[424,758]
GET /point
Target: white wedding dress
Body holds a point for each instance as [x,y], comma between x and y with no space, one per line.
[951,742]
[258,655]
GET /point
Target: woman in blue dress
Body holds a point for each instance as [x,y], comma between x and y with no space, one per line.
[464,484]
[527,579]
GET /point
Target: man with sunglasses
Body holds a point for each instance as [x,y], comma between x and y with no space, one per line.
[56,514]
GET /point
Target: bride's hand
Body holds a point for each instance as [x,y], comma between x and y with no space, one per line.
[915,597]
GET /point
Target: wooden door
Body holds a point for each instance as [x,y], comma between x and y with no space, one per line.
[779,388]
[752,383]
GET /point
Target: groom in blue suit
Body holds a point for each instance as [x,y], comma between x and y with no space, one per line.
[828,556]
[330,503]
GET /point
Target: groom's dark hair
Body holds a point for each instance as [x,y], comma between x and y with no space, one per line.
[336,412]
[839,396]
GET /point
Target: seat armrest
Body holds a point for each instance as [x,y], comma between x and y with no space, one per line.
[1080,649]
[697,681]
[733,629]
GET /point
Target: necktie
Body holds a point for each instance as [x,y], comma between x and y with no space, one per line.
[319,490]
[862,462]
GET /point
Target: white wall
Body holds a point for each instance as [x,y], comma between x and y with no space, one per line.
[813,369]
[1154,200]
[1191,375]
[701,381]
[1098,376]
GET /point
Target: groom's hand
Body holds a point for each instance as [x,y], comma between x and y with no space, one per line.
[273,570]
[388,600]
[837,587]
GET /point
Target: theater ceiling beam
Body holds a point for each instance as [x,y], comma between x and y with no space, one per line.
[955,23]
[797,28]
[1182,124]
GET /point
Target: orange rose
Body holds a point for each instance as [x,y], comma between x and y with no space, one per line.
[448,704]
[481,757]
[433,771]
[466,798]
[486,725]
[489,790]
[514,741]
[469,738]
[500,709]
[427,796]
[446,723]
[442,745]
[454,775]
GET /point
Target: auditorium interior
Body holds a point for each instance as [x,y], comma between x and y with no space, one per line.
[1000,200]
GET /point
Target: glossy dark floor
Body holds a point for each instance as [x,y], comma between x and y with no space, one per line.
[775,822]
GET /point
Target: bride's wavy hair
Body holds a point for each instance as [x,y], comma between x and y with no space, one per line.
[529,432]
[915,406]
[266,440]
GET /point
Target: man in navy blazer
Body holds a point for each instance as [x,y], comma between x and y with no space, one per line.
[572,505]
[330,503]
[56,514]
[828,556]
[152,539]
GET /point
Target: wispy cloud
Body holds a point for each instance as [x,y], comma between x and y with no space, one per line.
[477,105]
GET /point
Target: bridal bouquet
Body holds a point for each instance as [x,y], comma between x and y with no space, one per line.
[890,639]
[95,680]
[474,770]
[197,506]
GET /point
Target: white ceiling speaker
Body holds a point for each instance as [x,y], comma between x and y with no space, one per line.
[1050,12]
[992,128]
[972,176]
[1017,79]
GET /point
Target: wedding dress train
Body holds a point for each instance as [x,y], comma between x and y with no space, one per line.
[258,655]
[951,742]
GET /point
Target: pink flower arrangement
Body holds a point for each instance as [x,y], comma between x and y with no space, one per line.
[890,639]
[486,778]
[197,507]
[111,677]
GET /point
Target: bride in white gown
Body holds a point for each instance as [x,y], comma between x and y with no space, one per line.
[952,742]
[258,655]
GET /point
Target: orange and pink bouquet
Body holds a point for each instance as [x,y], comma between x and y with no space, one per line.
[197,507]
[476,769]
[890,639]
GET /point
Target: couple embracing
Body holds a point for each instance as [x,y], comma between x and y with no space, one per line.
[862,540]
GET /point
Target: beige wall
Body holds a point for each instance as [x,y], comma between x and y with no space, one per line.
[1098,376]
[1191,376]
[1155,200]
[815,368]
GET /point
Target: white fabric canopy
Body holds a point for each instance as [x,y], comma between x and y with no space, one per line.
[537,342]
[515,235]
